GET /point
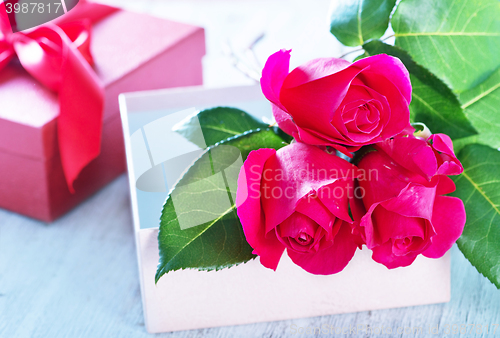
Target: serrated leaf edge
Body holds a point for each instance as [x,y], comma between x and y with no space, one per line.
[495,208]
[161,271]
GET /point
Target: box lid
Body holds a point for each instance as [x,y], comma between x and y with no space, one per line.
[121,43]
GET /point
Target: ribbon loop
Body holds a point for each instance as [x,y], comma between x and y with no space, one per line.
[6,53]
[79,34]
[59,57]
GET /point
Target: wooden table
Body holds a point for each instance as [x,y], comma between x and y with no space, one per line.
[78,276]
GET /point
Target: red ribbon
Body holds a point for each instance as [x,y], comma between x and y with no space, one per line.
[59,57]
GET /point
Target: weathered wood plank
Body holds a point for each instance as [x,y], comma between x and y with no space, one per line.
[78,277]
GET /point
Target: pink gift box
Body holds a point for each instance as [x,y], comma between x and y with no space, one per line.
[131,52]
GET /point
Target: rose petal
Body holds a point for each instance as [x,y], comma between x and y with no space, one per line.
[362,114]
[442,143]
[392,68]
[384,115]
[311,137]
[356,203]
[274,73]
[367,228]
[391,225]
[449,164]
[444,185]
[294,244]
[367,118]
[284,120]
[249,209]
[335,196]
[311,206]
[295,171]
[448,221]
[409,245]
[330,260]
[312,104]
[413,153]
[297,223]
[314,70]
[414,200]
[399,109]
[382,178]
[383,254]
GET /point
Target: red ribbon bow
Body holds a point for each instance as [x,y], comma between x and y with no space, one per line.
[58,56]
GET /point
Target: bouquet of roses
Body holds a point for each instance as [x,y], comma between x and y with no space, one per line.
[319,206]
[350,160]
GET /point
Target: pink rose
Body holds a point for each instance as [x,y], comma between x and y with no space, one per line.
[407,212]
[332,102]
[297,199]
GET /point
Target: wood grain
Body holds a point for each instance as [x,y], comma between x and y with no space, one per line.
[78,277]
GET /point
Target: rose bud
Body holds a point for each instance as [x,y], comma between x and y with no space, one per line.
[297,198]
[407,212]
[332,102]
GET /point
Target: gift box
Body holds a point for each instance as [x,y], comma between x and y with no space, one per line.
[131,52]
[248,293]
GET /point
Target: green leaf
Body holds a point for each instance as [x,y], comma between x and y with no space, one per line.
[433,102]
[217,124]
[482,107]
[458,40]
[479,187]
[199,227]
[355,21]
[460,143]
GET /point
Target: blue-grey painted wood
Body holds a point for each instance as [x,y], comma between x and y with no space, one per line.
[78,277]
